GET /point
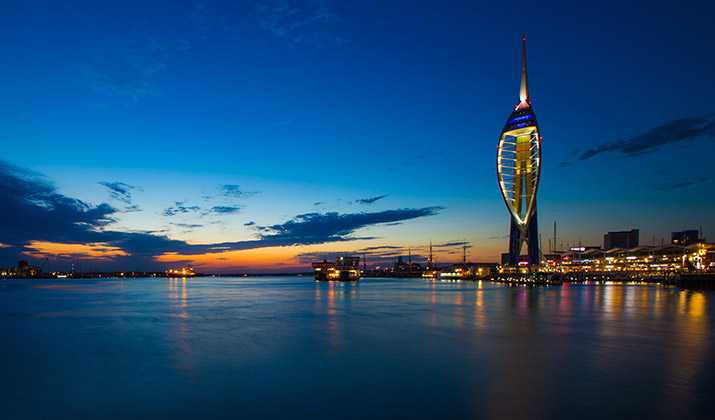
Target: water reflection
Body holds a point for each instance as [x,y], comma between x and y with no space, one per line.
[615,333]
[693,345]
[480,315]
[333,299]
[179,331]
[476,349]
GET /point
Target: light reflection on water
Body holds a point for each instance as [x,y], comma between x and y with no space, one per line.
[276,347]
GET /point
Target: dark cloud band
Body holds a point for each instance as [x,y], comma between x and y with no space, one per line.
[683,129]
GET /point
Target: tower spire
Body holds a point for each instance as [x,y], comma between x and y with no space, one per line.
[524,91]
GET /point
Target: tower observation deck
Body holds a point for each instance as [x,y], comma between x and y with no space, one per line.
[518,170]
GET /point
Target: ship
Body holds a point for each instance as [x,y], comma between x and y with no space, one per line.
[343,269]
[187,271]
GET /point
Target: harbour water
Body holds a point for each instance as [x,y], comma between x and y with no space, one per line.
[289,347]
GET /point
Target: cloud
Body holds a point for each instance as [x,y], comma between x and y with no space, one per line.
[180,208]
[188,225]
[370,200]
[451,244]
[413,160]
[299,22]
[314,228]
[251,223]
[119,191]
[375,248]
[125,67]
[683,129]
[667,186]
[225,209]
[231,191]
[32,208]
[234,191]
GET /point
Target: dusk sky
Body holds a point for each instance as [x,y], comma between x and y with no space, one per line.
[262,135]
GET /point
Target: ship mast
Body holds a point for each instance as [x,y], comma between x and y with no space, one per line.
[409,259]
[464,251]
[430,260]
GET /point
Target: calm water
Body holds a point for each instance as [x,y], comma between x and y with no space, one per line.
[290,347]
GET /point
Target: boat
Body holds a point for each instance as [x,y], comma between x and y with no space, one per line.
[343,269]
[187,271]
[556,279]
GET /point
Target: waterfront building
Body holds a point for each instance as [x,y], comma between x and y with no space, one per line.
[344,269]
[467,271]
[698,256]
[406,269]
[518,171]
[685,237]
[624,239]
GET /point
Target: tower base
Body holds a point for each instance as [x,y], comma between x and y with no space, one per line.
[516,239]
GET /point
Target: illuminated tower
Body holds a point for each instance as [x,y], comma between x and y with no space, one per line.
[518,170]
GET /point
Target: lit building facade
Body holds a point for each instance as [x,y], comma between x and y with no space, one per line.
[685,237]
[518,171]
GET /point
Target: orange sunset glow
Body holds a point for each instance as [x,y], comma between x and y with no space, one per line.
[42,249]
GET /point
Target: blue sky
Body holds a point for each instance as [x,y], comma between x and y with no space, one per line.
[267,122]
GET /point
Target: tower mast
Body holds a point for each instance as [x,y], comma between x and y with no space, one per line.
[524,89]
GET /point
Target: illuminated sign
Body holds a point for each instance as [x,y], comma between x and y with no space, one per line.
[579,249]
[520,118]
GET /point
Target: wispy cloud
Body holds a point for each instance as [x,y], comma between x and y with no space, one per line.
[179,207]
[683,129]
[667,186]
[188,225]
[225,209]
[119,191]
[311,23]
[234,191]
[125,67]
[370,200]
[413,160]
[451,244]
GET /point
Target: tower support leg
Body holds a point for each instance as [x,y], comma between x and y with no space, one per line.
[532,234]
[514,244]
[516,239]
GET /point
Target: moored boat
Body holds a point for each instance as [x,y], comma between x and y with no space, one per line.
[344,269]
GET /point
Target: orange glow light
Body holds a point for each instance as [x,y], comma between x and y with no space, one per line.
[99,251]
